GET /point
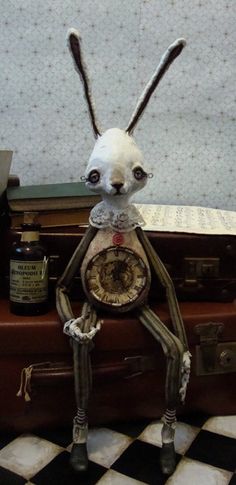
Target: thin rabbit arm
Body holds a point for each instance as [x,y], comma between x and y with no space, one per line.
[62,298]
[167,282]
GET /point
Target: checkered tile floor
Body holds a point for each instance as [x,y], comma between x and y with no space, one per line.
[125,455]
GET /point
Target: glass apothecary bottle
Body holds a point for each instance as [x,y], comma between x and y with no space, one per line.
[29,273]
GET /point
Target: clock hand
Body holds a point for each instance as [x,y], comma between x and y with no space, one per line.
[116,272]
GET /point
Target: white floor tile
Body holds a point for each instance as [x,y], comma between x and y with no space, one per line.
[184,435]
[105,445]
[195,473]
[114,478]
[152,433]
[28,454]
[225,425]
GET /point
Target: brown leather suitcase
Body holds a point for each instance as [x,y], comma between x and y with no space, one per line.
[203,267]
[128,367]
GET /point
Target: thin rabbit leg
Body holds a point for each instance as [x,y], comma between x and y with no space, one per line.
[83,385]
[79,455]
[176,318]
[174,351]
[167,282]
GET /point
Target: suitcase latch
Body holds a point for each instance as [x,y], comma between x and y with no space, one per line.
[197,269]
[212,356]
[209,333]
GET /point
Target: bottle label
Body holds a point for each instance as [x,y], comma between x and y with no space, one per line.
[29,236]
[29,281]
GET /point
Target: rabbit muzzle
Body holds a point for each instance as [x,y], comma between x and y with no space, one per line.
[117,187]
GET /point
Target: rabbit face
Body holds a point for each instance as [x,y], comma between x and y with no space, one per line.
[115,168]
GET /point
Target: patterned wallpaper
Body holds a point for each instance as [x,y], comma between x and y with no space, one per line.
[188,130]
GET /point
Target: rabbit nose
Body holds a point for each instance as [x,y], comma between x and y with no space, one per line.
[117,186]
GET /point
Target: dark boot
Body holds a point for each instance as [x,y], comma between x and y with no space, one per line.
[168,458]
[79,457]
[79,454]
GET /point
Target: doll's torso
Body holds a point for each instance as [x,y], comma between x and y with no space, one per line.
[115,272]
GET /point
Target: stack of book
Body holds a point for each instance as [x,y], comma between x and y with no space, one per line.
[56,205]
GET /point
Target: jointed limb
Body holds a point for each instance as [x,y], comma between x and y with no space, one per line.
[174,351]
[81,330]
[82,343]
[166,281]
[62,299]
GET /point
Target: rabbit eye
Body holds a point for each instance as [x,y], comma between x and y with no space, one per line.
[139,173]
[94,177]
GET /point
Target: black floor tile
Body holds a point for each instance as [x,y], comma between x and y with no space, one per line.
[130,429]
[59,472]
[61,437]
[9,478]
[6,438]
[141,462]
[233,480]
[214,449]
[196,419]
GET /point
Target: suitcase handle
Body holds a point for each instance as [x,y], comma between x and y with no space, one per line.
[129,367]
[54,373]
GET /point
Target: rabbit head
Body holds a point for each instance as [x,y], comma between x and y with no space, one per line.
[115,168]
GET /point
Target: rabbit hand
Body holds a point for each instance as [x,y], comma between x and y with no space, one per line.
[72,329]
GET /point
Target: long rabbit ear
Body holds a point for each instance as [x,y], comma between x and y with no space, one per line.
[74,41]
[169,56]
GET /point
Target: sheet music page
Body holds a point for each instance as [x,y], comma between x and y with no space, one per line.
[189,219]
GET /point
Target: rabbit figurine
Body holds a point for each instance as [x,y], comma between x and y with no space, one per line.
[115,259]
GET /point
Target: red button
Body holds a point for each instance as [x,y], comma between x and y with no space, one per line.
[118,239]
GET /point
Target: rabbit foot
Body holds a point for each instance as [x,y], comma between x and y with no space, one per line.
[79,458]
[168,458]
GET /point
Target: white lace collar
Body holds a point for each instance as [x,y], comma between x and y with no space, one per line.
[121,220]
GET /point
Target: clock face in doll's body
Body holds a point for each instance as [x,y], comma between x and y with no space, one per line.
[116,278]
